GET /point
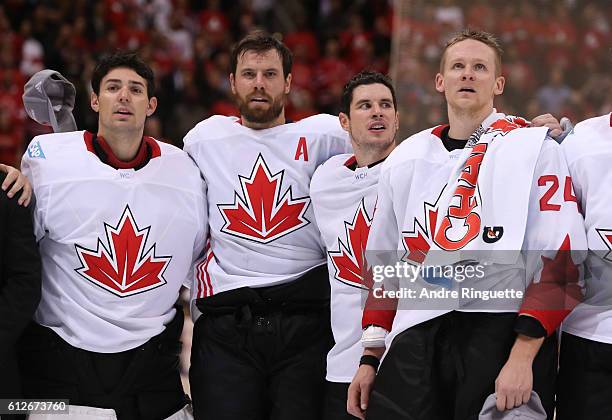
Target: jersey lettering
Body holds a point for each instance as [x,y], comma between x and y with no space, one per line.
[465,226]
[302,150]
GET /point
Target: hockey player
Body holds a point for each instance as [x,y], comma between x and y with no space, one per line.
[259,348]
[343,192]
[440,199]
[19,287]
[585,375]
[120,219]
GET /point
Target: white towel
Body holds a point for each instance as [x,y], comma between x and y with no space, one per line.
[508,156]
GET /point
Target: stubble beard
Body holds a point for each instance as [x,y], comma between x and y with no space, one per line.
[377,147]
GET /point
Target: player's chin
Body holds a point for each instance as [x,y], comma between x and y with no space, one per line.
[471,102]
[378,134]
[123,118]
[254,105]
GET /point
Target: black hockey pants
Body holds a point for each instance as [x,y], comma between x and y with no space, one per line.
[445,368]
[143,383]
[260,354]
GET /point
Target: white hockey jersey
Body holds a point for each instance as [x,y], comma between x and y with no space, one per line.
[343,201]
[262,229]
[510,196]
[588,151]
[116,244]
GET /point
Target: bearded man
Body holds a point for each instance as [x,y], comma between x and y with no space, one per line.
[259,349]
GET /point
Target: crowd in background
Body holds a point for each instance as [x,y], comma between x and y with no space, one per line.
[557,54]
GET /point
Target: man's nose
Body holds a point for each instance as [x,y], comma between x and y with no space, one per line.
[124,94]
[376,109]
[259,80]
[467,74]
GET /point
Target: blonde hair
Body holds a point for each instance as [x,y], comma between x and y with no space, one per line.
[482,36]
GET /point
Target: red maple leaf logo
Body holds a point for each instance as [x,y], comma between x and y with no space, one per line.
[557,292]
[123,268]
[416,242]
[606,237]
[349,260]
[262,214]
[507,124]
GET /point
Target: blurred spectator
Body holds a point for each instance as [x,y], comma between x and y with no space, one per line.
[354,39]
[450,13]
[482,15]
[303,41]
[32,52]
[381,36]
[553,96]
[158,12]
[331,73]
[214,23]
[180,38]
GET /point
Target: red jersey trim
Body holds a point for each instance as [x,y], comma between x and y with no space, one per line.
[437,131]
[113,161]
[351,161]
[204,281]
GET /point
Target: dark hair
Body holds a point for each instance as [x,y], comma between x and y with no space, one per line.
[365,77]
[260,42]
[482,36]
[122,59]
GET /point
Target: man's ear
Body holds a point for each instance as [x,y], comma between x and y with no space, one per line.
[152,106]
[500,82]
[288,84]
[232,83]
[439,83]
[95,105]
[345,121]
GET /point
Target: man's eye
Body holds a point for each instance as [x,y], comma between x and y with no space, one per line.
[457,66]
[480,66]
[248,74]
[136,90]
[364,105]
[112,88]
[270,74]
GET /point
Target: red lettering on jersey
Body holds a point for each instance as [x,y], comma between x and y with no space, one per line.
[544,201]
[472,222]
[507,124]
[466,200]
[301,150]
[465,192]
[568,195]
[472,165]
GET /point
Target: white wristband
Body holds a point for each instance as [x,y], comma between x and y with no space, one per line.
[373,336]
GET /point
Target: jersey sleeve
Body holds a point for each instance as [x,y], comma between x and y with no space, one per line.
[555,242]
[30,167]
[381,247]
